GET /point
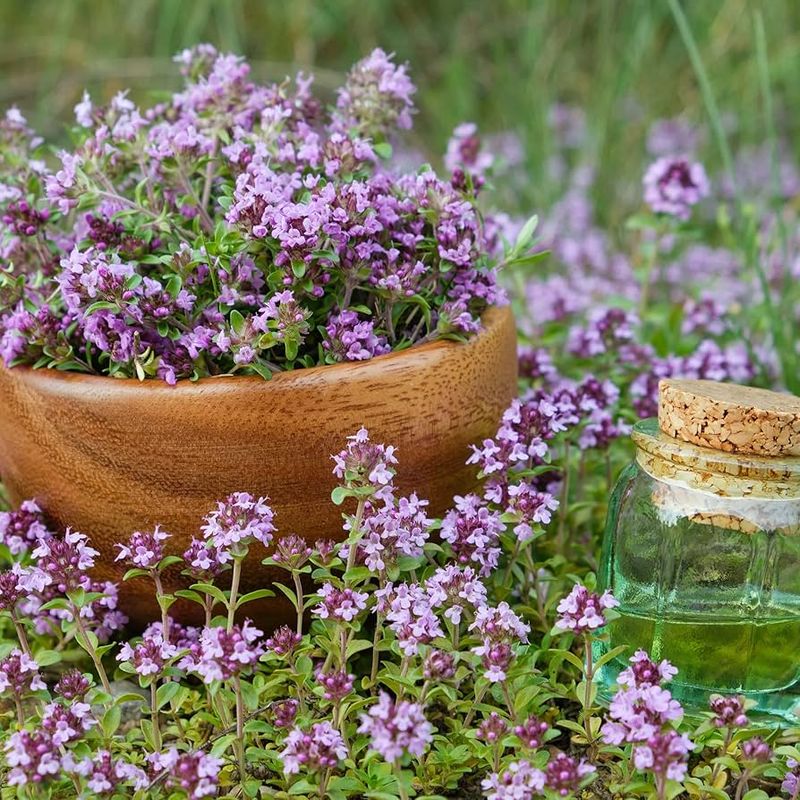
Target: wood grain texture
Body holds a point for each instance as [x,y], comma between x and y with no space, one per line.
[108,456]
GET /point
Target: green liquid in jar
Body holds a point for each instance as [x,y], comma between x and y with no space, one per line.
[716,655]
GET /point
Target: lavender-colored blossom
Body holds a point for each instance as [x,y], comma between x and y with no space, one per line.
[196,773]
[221,654]
[284,713]
[143,550]
[24,528]
[672,185]
[72,685]
[283,641]
[319,748]
[103,773]
[439,666]
[407,608]
[499,628]
[349,338]
[728,711]
[149,656]
[65,724]
[756,751]
[238,521]
[335,685]
[644,672]
[455,590]
[65,560]
[365,464]
[531,732]
[519,781]
[19,673]
[564,774]
[665,755]
[473,532]
[377,96]
[464,152]
[636,714]
[33,758]
[292,552]
[492,729]
[791,781]
[396,728]
[582,610]
[530,507]
[204,559]
[342,605]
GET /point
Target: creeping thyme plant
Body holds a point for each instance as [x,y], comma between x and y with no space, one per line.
[233,230]
[236,228]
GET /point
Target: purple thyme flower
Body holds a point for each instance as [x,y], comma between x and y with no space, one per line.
[464,152]
[791,781]
[531,732]
[33,758]
[376,96]
[149,656]
[366,464]
[456,590]
[728,711]
[23,528]
[10,590]
[439,666]
[348,338]
[335,685]
[66,724]
[221,655]
[319,748]
[492,729]
[396,728]
[195,773]
[643,672]
[473,532]
[103,773]
[283,713]
[398,528]
[72,685]
[19,672]
[582,610]
[66,560]
[530,507]
[519,781]
[203,559]
[499,627]
[343,605]
[635,714]
[756,751]
[292,552]
[283,641]
[144,550]
[407,609]
[665,755]
[673,185]
[237,521]
[564,774]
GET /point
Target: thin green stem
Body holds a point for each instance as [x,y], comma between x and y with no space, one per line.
[298,591]
[235,578]
[154,716]
[240,753]
[86,644]
[355,535]
[161,605]
[587,688]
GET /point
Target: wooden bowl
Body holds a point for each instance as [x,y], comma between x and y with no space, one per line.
[108,456]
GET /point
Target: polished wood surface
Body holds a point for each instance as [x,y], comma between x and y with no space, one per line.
[108,457]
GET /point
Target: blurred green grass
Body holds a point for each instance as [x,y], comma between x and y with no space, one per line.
[501,64]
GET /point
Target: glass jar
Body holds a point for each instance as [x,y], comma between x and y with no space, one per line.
[702,550]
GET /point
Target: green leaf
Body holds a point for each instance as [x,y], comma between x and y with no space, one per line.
[339,495]
[237,322]
[525,235]
[257,594]
[167,692]
[382,150]
[210,589]
[44,658]
[111,720]
[610,655]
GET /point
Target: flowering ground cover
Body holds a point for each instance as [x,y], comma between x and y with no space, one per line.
[430,657]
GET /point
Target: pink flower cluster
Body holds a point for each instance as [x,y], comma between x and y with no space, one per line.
[396,728]
[319,748]
[582,611]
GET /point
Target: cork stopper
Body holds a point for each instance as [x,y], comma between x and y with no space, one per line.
[725,416]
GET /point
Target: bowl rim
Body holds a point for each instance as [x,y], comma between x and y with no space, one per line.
[429,353]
